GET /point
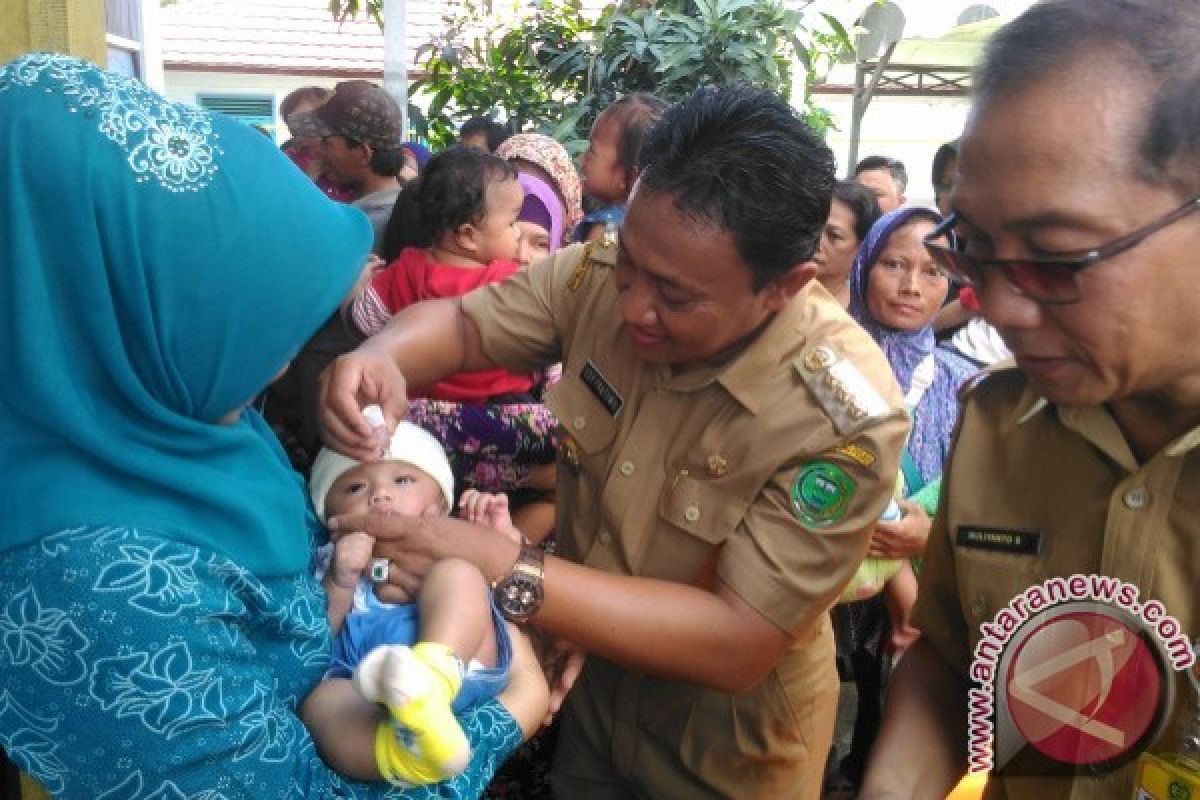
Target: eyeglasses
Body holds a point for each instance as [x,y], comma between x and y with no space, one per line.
[1051,281]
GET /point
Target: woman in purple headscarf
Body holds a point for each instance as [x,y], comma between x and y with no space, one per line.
[541,219]
[896,290]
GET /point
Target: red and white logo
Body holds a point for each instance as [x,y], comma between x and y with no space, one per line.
[1084,687]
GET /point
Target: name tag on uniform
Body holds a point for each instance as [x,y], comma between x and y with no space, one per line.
[999,540]
[602,389]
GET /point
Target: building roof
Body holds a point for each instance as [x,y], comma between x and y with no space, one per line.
[284,36]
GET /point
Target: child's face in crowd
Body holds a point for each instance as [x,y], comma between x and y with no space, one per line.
[391,487]
[498,235]
[603,175]
[535,242]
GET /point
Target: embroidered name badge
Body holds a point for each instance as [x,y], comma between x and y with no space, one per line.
[999,540]
[821,494]
[602,389]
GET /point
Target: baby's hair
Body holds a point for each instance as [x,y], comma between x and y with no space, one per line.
[634,114]
[452,189]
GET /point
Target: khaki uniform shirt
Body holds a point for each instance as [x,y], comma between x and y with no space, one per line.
[761,471]
[1024,474]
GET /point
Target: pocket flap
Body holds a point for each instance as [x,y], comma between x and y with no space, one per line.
[700,508]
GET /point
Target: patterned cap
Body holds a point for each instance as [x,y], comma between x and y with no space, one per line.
[358,110]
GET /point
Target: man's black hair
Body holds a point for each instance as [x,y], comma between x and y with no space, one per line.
[742,160]
[895,168]
[1157,38]
[450,192]
[404,226]
[941,160]
[387,163]
[860,200]
[493,131]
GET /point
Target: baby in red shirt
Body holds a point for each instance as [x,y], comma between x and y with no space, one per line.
[468,203]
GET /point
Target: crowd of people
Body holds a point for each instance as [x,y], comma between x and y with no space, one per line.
[392,473]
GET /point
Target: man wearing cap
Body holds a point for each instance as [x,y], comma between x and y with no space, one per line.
[1078,189]
[360,132]
[729,437]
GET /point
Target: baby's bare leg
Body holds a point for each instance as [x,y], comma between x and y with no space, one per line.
[456,611]
[343,724]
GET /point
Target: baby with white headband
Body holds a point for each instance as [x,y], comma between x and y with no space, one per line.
[407,656]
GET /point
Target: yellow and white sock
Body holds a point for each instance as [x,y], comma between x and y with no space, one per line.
[423,742]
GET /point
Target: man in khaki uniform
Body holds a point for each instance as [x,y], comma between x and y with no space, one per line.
[729,437]
[1077,196]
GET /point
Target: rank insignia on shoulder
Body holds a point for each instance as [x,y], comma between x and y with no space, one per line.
[581,269]
[840,388]
[819,359]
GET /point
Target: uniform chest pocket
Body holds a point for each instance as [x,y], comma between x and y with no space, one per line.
[587,426]
[700,508]
[989,579]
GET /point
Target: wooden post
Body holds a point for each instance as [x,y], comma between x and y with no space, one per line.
[75,27]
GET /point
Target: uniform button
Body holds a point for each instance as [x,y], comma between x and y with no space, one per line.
[691,513]
[579,423]
[1137,498]
[605,538]
[627,468]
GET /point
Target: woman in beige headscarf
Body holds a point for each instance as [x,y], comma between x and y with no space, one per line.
[545,158]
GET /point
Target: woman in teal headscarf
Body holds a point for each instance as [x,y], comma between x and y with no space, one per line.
[159,622]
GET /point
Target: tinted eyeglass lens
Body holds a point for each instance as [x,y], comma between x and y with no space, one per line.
[1041,281]
[955,264]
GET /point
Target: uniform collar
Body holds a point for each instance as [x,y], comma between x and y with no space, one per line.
[1028,407]
[746,375]
[1094,423]
[1097,425]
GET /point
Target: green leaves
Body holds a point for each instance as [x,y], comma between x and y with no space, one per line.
[546,66]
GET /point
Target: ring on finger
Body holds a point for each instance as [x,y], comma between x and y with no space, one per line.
[379,570]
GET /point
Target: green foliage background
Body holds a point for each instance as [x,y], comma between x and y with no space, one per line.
[549,67]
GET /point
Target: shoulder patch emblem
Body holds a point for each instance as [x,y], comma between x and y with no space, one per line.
[821,494]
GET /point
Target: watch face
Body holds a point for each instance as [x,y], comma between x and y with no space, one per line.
[518,596]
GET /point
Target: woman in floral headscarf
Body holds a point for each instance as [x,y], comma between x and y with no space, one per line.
[543,157]
[160,619]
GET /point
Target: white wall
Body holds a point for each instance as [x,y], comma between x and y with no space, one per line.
[908,128]
[186,86]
